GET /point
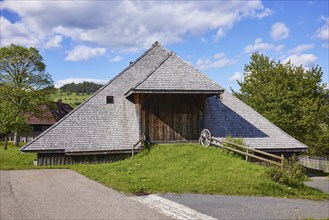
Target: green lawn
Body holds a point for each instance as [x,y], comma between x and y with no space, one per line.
[180,168]
[70,98]
[13,159]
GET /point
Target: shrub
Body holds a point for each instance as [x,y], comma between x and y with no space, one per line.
[291,174]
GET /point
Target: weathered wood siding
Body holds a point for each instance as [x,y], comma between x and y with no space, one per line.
[172,117]
[48,159]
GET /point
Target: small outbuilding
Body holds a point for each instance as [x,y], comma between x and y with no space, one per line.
[157,98]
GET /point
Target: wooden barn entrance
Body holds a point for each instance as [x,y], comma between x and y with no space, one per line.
[170,117]
[174,117]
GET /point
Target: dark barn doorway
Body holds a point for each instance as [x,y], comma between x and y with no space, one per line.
[172,117]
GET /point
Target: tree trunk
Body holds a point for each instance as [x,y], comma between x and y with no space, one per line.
[16,139]
[6,141]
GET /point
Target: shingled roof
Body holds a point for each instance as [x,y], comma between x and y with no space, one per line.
[229,116]
[96,126]
[50,114]
[175,75]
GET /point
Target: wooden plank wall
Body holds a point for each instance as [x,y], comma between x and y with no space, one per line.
[172,117]
[48,159]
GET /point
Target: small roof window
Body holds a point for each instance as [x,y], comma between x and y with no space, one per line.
[109,99]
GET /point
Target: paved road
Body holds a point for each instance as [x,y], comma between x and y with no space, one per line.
[64,194]
[240,207]
[319,182]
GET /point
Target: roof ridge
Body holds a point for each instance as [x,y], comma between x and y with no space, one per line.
[148,75]
[198,71]
[285,133]
[98,91]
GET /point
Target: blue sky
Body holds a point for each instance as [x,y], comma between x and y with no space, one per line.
[95,40]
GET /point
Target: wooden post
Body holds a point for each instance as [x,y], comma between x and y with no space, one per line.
[247,153]
[138,103]
[201,113]
[282,159]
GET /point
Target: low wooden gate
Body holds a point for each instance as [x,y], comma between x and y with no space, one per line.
[206,140]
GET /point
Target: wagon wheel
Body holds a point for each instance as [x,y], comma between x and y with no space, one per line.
[205,137]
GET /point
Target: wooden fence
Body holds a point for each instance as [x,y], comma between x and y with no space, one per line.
[249,152]
[206,139]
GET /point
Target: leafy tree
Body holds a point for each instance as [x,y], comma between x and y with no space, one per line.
[292,97]
[10,122]
[24,83]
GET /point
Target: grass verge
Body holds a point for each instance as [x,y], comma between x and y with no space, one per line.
[178,168]
[13,159]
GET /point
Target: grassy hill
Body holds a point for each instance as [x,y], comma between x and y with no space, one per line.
[190,168]
[177,168]
[74,99]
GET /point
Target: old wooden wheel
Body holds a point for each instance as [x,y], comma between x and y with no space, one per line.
[205,137]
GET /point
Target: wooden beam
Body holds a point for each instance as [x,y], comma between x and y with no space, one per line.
[138,99]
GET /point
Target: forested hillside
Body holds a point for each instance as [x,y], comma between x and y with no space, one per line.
[85,87]
[75,94]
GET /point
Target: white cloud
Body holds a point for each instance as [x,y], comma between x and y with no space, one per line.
[279,31]
[237,76]
[265,13]
[84,53]
[216,61]
[17,33]
[301,48]
[307,60]
[62,82]
[279,47]
[116,59]
[54,42]
[323,32]
[259,45]
[123,25]
[220,33]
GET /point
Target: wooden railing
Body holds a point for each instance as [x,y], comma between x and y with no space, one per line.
[273,158]
[206,139]
[138,145]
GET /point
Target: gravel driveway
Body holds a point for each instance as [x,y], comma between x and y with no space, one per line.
[64,194]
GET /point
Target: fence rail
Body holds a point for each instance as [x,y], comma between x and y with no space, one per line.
[270,160]
[206,139]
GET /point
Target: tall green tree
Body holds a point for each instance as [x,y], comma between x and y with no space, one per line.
[292,97]
[25,85]
[9,122]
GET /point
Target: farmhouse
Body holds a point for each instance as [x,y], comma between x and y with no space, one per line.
[50,115]
[157,98]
